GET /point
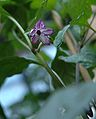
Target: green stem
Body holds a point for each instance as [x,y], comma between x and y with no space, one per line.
[20,41]
[22,31]
[56,79]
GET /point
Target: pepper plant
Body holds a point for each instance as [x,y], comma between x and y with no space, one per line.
[33,26]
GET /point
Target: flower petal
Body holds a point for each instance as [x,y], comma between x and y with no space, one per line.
[44,39]
[32,32]
[47,31]
[35,39]
[39,25]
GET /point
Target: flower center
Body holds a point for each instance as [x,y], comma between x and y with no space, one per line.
[39,32]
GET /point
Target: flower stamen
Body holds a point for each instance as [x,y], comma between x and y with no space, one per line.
[39,32]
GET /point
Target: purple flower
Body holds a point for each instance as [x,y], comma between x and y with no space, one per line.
[40,33]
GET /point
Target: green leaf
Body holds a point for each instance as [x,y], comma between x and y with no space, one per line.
[68,103]
[6,49]
[63,69]
[60,36]
[51,4]
[13,65]
[79,11]
[86,57]
[38,3]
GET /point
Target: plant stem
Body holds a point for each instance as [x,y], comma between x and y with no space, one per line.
[22,31]
[56,79]
[20,41]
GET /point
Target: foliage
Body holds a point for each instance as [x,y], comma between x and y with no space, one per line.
[63,95]
[81,12]
[86,57]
